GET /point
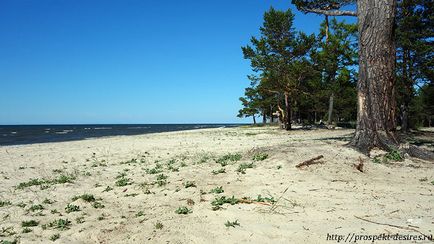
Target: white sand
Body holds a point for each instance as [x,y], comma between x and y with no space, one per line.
[314,201]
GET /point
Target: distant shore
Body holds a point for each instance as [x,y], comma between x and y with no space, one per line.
[196,186]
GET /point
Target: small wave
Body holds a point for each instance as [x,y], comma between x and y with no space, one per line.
[13,132]
[138,127]
[103,128]
[64,131]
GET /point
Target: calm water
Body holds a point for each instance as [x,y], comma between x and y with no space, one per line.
[27,134]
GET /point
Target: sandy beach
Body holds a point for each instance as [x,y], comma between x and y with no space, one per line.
[169,188]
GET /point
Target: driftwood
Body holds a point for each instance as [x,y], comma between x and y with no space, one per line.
[397,226]
[310,161]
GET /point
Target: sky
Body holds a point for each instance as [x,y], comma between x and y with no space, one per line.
[128,61]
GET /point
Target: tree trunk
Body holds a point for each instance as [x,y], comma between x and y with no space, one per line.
[288,112]
[329,120]
[254,120]
[376,110]
[264,117]
[404,117]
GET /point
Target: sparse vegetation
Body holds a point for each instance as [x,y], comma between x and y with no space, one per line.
[183,210]
[188,184]
[36,207]
[224,160]
[29,223]
[265,199]
[232,223]
[5,203]
[72,208]
[260,156]
[242,168]
[54,237]
[85,197]
[61,224]
[219,201]
[217,190]
[123,182]
[44,183]
[220,171]
[159,226]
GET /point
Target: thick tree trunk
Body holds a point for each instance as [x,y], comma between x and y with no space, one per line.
[330,113]
[288,112]
[376,111]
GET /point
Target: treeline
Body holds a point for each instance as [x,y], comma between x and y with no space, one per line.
[305,79]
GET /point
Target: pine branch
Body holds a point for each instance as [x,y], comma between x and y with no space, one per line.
[330,12]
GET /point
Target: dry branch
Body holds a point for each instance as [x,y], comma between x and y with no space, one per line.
[310,161]
[396,226]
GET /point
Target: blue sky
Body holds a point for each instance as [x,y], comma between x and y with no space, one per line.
[134,61]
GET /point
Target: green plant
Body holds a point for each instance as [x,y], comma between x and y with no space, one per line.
[242,168]
[279,166]
[159,225]
[5,203]
[139,214]
[260,156]
[232,223]
[220,171]
[48,201]
[123,182]
[263,199]
[72,208]
[162,177]
[156,170]
[131,195]
[79,220]
[219,201]
[217,190]
[432,182]
[54,237]
[183,210]
[394,155]
[21,205]
[27,230]
[377,160]
[64,179]
[107,189]
[224,160]
[62,224]
[32,182]
[29,223]
[189,184]
[33,208]
[9,242]
[85,197]
[98,205]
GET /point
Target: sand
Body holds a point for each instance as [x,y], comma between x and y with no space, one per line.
[310,204]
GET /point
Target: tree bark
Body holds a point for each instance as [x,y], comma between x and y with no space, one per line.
[264,117]
[254,120]
[376,110]
[288,112]
[330,113]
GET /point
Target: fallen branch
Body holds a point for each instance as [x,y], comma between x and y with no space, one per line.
[252,201]
[396,226]
[310,161]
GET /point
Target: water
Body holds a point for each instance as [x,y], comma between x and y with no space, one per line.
[27,134]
